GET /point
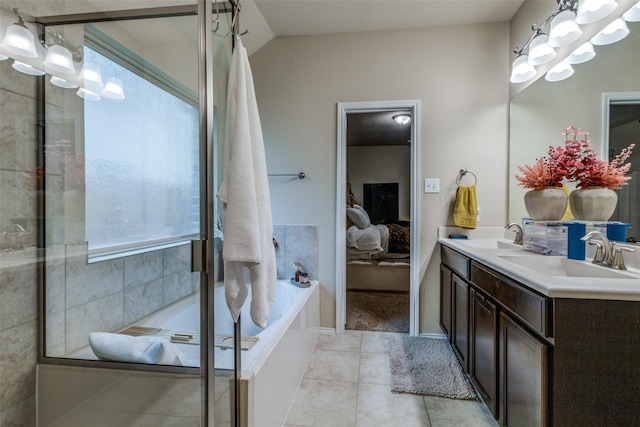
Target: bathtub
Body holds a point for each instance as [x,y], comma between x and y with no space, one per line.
[273,368]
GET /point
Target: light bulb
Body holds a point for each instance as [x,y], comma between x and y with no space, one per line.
[539,51]
[59,59]
[563,29]
[521,70]
[19,40]
[594,10]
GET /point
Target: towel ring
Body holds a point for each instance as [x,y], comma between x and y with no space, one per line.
[462,173]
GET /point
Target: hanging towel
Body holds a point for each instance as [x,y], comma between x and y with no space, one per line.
[248,253]
[465,211]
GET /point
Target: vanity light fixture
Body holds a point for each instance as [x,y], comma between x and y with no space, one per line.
[88,95]
[521,70]
[19,40]
[57,81]
[559,72]
[539,50]
[113,89]
[633,14]
[59,59]
[612,33]
[26,68]
[582,54]
[402,118]
[564,29]
[91,76]
[593,10]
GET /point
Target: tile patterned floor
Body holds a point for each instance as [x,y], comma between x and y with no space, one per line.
[347,384]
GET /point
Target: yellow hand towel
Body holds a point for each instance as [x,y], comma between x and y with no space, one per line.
[465,211]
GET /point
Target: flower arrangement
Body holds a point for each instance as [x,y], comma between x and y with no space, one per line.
[543,173]
[576,162]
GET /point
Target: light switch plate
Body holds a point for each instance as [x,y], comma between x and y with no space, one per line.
[431,185]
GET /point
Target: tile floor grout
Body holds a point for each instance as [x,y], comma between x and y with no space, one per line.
[330,396]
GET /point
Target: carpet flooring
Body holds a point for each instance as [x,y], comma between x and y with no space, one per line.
[427,366]
[377,311]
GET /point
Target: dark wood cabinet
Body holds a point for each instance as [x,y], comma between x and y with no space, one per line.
[445,300]
[460,320]
[483,351]
[523,377]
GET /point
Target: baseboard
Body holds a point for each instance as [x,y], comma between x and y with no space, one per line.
[435,336]
[327,331]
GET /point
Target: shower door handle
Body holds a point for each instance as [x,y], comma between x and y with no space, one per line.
[198,256]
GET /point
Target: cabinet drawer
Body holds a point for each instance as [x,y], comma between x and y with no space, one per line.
[457,262]
[529,306]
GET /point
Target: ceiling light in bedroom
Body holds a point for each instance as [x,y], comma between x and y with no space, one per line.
[402,118]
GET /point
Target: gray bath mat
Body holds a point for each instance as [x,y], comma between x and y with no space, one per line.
[427,366]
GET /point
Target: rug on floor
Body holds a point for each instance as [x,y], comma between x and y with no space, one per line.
[427,366]
[377,311]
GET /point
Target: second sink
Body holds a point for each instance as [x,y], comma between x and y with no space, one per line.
[559,266]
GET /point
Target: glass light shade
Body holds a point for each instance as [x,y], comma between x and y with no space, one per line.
[560,71]
[88,95]
[57,81]
[19,40]
[539,51]
[113,89]
[564,29]
[594,10]
[402,119]
[27,69]
[612,33]
[521,70]
[59,59]
[91,76]
[633,14]
[582,54]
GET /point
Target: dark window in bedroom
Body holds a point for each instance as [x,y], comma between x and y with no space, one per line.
[381,201]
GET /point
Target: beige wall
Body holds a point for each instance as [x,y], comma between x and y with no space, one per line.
[460,74]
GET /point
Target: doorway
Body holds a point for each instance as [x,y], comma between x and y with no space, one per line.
[377,215]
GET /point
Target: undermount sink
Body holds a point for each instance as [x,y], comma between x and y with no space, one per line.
[558,266]
[490,244]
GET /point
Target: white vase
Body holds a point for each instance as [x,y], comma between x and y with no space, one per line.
[593,203]
[546,204]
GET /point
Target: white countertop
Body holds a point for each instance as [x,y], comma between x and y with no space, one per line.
[627,288]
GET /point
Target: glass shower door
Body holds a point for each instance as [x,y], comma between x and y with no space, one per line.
[121,180]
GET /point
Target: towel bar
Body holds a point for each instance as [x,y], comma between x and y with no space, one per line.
[462,173]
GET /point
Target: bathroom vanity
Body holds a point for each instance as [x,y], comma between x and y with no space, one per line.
[546,341]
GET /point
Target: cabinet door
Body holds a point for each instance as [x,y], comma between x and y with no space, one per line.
[523,372]
[460,317]
[445,301]
[483,351]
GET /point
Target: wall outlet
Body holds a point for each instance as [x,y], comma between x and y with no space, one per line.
[432,185]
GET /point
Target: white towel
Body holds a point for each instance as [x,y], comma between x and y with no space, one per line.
[248,252]
[125,348]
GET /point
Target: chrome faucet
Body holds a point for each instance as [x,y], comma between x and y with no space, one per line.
[518,239]
[606,258]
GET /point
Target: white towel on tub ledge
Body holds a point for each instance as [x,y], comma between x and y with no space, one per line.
[248,252]
[125,348]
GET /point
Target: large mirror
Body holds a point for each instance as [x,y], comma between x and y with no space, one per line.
[540,112]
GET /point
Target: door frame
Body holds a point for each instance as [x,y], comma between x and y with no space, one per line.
[413,107]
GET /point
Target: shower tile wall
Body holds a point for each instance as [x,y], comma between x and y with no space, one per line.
[18,268]
[108,295]
[296,243]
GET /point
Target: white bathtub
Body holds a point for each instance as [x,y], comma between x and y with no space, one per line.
[184,316]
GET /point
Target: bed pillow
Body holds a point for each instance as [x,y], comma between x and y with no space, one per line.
[359,217]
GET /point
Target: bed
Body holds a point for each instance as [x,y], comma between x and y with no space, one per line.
[378,255]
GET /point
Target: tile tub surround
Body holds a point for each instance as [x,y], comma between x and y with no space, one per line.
[108,295]
[296,243]
[347,383]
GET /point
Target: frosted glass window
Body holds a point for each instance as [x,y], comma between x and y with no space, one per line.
[142,170]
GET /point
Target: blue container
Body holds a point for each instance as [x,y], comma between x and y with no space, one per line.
[617,231]
[576,247]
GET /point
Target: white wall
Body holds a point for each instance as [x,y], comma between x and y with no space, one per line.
[460,74]
[377,165]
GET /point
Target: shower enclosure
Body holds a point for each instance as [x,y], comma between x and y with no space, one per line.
[113,153]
